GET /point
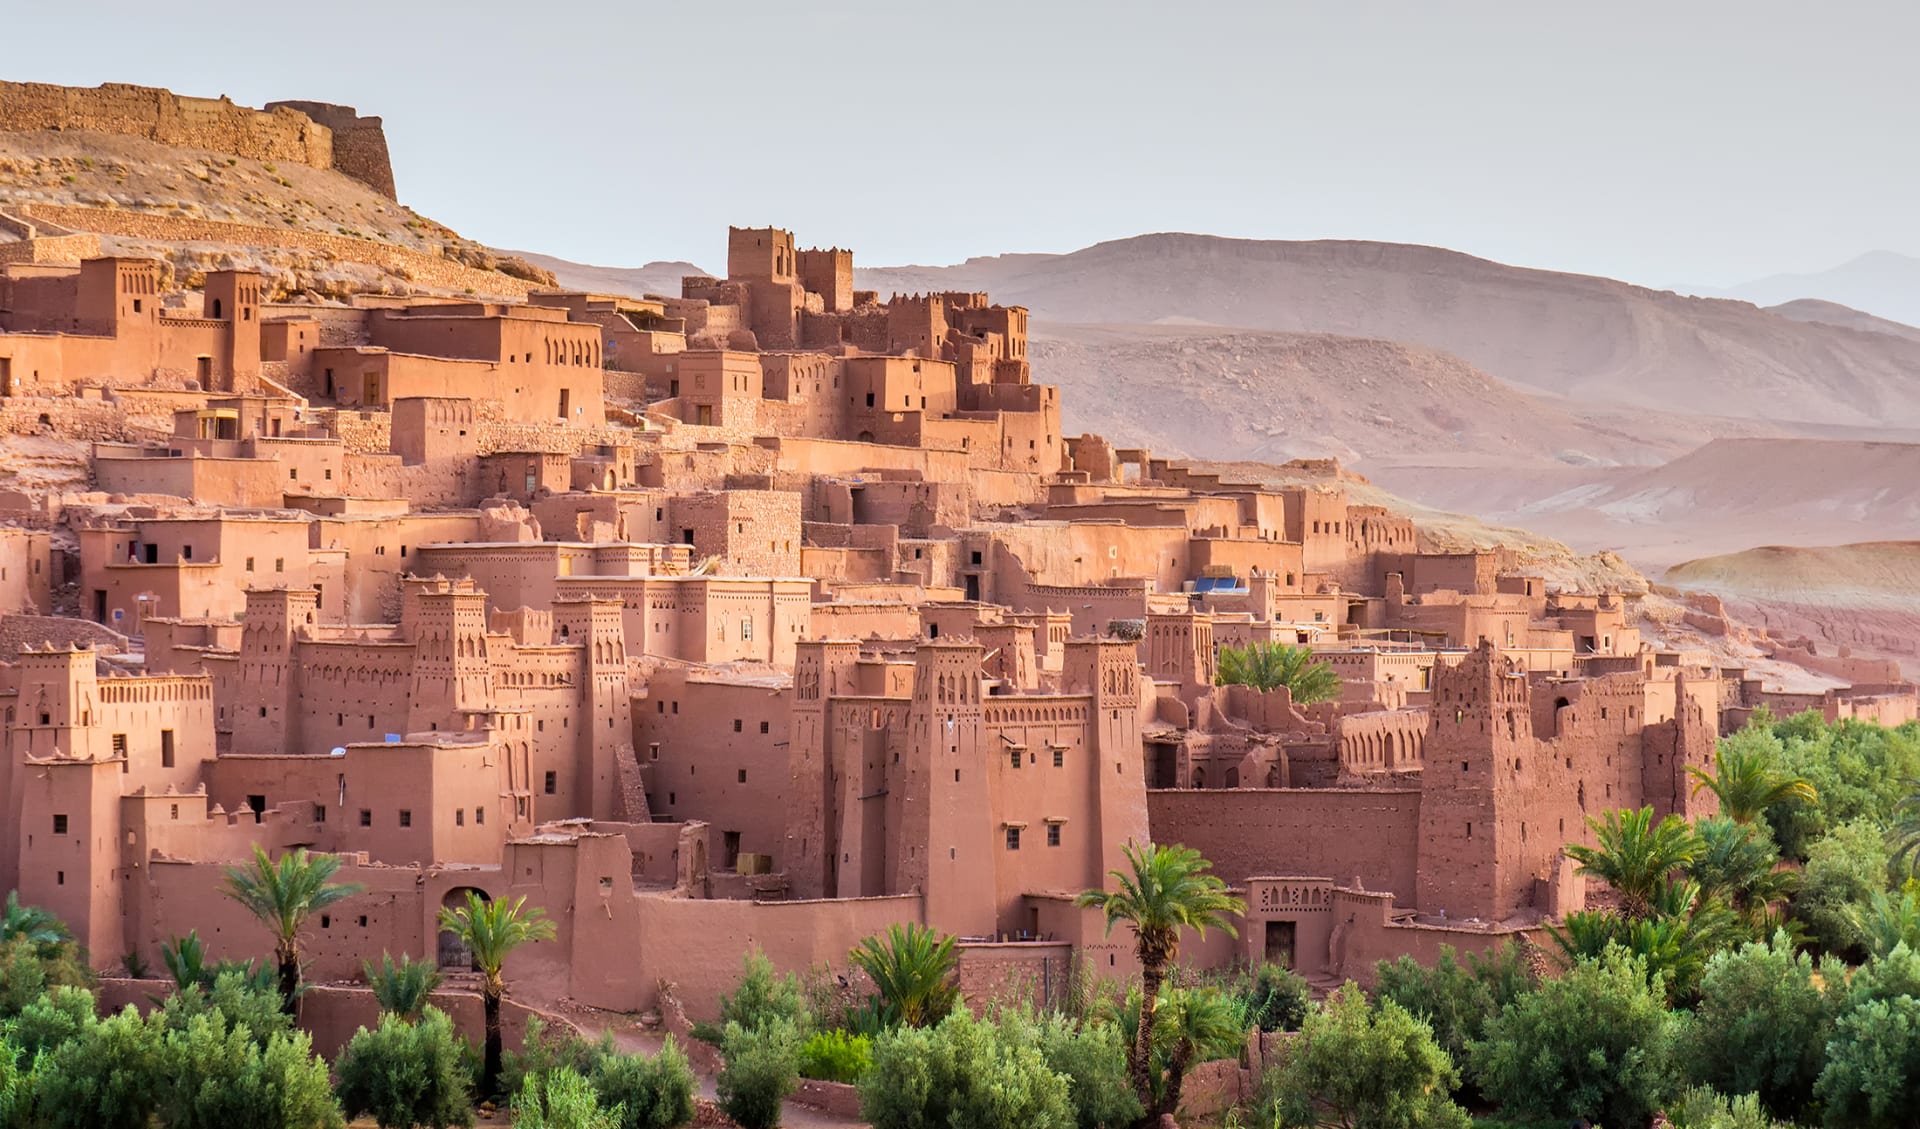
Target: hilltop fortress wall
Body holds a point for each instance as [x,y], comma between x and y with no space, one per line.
[316,134]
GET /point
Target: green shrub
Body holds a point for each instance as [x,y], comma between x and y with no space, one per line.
[562,1100]
[220,1076]
[16,1085]
[1355,1064]
[651,1093]
[1093,1059]
[1703,1108]
[1455,1000]
[1872,1076]
[964,1072]
[32,964]
[110,1076]
[406,1074]
[1844,871]
[835,1056]
[1761,1026]
[1596,1043]
[49,1021]
[238,997]
[760,1071]
[542,1052]
[763,996]
[1278,998]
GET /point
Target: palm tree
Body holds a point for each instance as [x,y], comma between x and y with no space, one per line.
[1268,666]
[402,988]
[1163,890]
[1748,784]
[915,970]
[1891,920]
[1738,864]
[282,895]
[491,930]
[1191,1025]
[1905,834]
[1635,855]
[41,928]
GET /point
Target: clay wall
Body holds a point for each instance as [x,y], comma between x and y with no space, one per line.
[215,124]
[1247,832]
[716,751]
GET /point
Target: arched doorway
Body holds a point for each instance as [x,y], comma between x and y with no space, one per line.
[454,954]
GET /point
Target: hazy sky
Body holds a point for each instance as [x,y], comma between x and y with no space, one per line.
[1658,142]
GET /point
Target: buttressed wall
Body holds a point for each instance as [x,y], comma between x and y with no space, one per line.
[317,134]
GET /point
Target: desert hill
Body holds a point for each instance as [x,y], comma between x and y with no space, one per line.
[310,231]
[1846,317]
[653,278]
[1728,495]
[1270,396]
[1882,283]
[1865,597]
[1588,339]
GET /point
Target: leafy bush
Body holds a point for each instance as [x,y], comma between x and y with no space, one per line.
[1761,1026]
[648,1093]
[49,1021]
[1859,769]
[1094,1061]
[16,1085]
[29,968]
[562,1100]
[110,1076]
[238,997]
[964,1071]
[1455,1000]
[1355,1064]
[1872,1076]
[1702,1108]
[764,996]
[1280,998]
[219,1076]
[760,1071]
[835,1056]
[1844,871]
[1597,1043]
[542,1052]
[407,1074]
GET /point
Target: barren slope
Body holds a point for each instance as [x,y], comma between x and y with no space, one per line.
[1864,596]
[1730,494]
[100,170]
[1589,339]
[1247,395]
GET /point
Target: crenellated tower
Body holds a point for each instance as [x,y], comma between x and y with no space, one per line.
[1480,738]
[265,710]
[822,671]
[452,674]
[605,737]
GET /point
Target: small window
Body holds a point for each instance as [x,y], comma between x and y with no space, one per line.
[119,744]
[279,564]
[1013,838]
[1053,834]
[736,725]
[552,783]
[249,564]
[763,727]
[406,818]
[319,813]
[59,825]
[746,630]
[1013,759]
[366,817]
[743,776]
[1059,758]
[479,816]
[459,817]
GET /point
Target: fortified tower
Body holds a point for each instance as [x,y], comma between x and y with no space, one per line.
[946,807]
[1481,734]
[1108,671]
[605,735]
[822,671]
[266,715]
[452,676]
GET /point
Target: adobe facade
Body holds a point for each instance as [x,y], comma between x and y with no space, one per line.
[770,613]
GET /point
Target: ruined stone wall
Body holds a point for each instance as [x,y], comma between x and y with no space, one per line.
[317,134]
[359,144]
[418,267]
[161,115]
